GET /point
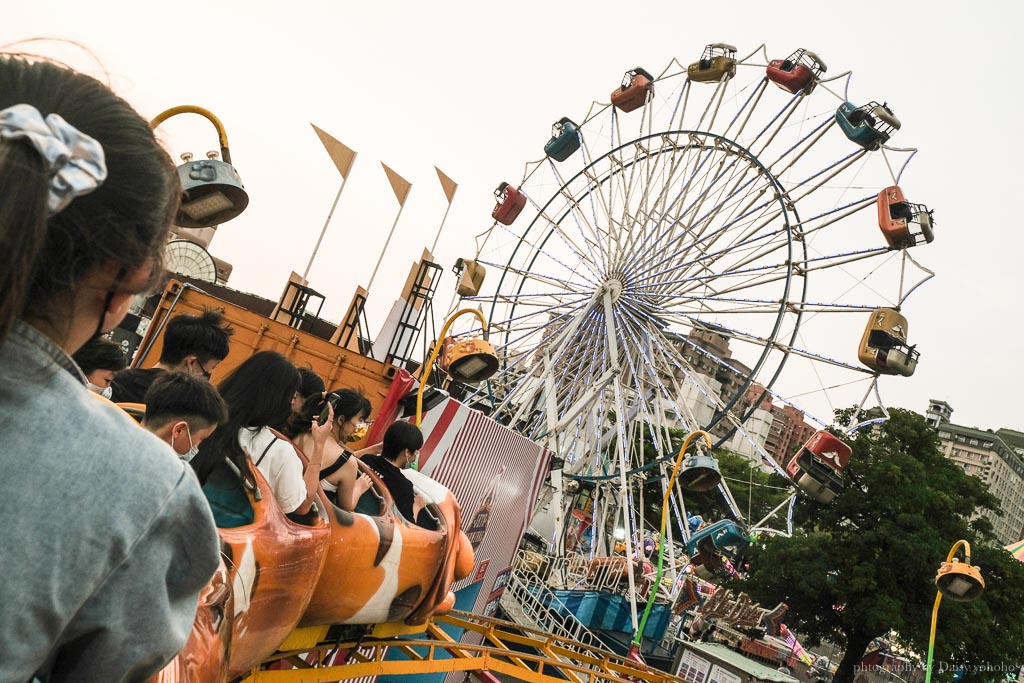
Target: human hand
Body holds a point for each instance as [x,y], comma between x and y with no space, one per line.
[418,503]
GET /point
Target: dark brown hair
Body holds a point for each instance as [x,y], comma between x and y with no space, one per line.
[177,396]
[124,221]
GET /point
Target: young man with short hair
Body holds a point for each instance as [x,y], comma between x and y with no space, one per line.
[183,410]
[192,343]
[401,449]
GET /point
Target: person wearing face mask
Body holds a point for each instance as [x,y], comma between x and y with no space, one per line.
[339,473]
[192,343]
[99,360]
[103,587]
[401,450]
[183,409]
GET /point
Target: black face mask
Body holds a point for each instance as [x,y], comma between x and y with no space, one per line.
[114,286]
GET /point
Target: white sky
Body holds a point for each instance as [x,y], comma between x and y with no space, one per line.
[474,87]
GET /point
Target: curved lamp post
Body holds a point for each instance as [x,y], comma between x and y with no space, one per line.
[634,649]
[472,360]
[212,192]
[958,581]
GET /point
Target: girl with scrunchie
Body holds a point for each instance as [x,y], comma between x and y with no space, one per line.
[105,537]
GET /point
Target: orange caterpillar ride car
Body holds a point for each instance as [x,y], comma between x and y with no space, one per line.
[347,568]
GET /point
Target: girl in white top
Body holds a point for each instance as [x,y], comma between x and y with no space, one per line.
[259,394]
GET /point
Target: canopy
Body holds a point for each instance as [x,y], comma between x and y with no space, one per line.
[1017,550]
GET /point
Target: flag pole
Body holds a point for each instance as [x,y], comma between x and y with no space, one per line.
[449,187]
[438,235]
[380,258]
[323,230]
[343,157]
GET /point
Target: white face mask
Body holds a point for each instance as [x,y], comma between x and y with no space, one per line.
[105,393]
[192,450]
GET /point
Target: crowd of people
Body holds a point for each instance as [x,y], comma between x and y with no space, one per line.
[104,585]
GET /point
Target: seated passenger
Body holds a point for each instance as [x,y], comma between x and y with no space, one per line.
[258,394]
[310,384]
[193,343]
[401,450]
[183,409]
[339,473]
[100,359]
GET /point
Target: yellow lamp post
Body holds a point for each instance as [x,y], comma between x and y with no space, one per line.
[958,581]
[212,191]
[471,360]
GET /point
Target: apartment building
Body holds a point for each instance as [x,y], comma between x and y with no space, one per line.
[997,458]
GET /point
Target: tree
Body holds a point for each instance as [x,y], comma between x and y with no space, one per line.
[866,564]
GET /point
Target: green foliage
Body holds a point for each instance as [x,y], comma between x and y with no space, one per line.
[866,564]
[756,491]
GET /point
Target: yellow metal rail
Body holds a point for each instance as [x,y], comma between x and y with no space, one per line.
[556,659]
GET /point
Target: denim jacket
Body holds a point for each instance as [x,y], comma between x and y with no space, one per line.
[105,537]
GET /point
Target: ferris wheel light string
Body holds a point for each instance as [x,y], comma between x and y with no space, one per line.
[712,236]
[555,229]
[730,368]
[743,336]
[598,263]
[670,263]
[712,256]
[815,133]
[538,250]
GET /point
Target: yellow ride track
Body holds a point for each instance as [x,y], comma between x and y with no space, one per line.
[559,659]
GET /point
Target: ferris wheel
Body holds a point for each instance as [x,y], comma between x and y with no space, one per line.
[723,237]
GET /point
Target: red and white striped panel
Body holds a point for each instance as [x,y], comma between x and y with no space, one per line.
[464,450]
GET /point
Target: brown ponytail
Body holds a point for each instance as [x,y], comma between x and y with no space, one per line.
[124,221]
[23,192]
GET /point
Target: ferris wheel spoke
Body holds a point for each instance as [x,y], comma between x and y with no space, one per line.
[551,280]
[670,358]
[820,179]
[590,233]
[664,267]
[789,156]
[791,350]
[585,256]
[763,139]
[646,400]
[746,111]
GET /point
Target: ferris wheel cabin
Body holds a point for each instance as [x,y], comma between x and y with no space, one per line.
[869,126]
[799,71]
[884,348]
[565,140]
[471,276]
[636,89]
[700,473]
[710,546]
[718,62]
[510,204]
[817,468]
[897,217]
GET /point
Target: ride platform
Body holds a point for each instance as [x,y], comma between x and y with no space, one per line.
[500,651]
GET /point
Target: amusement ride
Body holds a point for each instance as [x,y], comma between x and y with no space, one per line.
[709,240]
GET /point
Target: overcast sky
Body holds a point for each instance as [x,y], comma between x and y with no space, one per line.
[474,87]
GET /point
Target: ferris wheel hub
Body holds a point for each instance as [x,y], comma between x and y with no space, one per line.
[614,287]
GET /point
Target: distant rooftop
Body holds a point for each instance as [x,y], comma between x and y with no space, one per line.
[745,664]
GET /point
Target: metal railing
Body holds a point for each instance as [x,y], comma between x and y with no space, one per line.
[528,600]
